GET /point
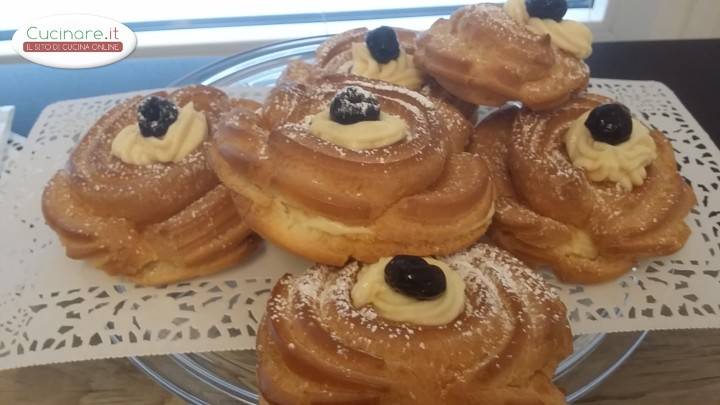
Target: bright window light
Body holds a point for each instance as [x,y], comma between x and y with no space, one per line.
[180,13]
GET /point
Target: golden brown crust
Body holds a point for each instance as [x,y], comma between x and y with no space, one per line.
[415,196]
[299,72]
[548,212]
[334,55]
[314,346]
[153,224]
[140,192]
[434,91]
[484,57]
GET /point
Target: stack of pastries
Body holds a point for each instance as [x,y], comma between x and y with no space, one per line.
[369,162]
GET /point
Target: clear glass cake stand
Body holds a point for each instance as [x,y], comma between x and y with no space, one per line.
[229,377]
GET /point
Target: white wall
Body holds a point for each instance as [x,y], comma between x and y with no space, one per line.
[632,20]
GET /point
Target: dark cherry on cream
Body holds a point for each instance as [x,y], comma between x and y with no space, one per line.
[354,104]
[155,115]
[552,9]
[383,44]
[415,277]
[610,123]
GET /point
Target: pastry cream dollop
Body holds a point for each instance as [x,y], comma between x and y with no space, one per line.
[362,135]
[182,137]
[623,164]
[371,288]
[570,36]
[401,71]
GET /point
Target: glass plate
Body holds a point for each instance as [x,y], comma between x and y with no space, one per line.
[229,377]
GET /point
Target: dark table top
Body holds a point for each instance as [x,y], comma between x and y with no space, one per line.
[689,68]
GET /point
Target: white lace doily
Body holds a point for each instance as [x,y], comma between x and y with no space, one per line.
[55,309]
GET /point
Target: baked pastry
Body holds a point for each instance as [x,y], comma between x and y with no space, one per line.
[139,199]
[489,55]
[298,71]
[354,168]
[585,188]
[384,53]
[477,327]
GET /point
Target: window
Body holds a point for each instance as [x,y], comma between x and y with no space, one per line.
[158,15]
[221,27]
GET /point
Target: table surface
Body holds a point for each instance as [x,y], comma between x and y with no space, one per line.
[670,367]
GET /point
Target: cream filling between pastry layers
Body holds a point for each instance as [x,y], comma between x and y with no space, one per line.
[623,164]
[371,288]
[362,135]
[401,71]
[580,244]
[568,35]
[296,217]
[182,137]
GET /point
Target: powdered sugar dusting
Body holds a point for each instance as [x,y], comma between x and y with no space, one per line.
[501,295]
[354,100]
[290,111]
[424,101]
[101,178]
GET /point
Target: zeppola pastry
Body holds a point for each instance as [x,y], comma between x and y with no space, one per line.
[488,54]
[298,71]
[354,168]
[138,197]
[586,188]
[309,75]
[386,55]
[477,327]
[383,54]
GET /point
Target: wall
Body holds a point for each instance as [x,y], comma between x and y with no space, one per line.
[633,20]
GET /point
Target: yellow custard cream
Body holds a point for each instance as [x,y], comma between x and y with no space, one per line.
[570,36]
[295,217]
[362,135]
[623,164]
[371,288]
[182,137]
[400,71]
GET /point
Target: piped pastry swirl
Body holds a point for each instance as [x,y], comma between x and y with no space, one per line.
[152,222]
[328,202]
[483,56]
[315,345]
[554,209]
